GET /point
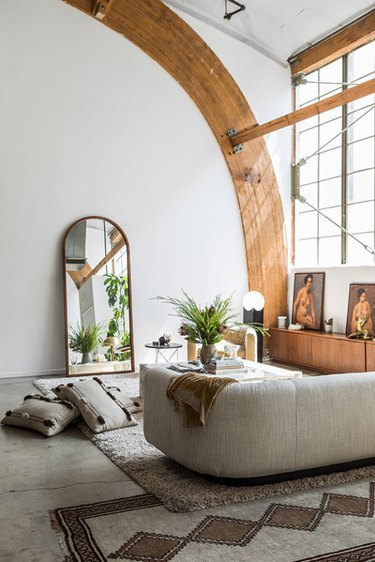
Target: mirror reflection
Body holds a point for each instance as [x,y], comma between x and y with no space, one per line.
[98,299]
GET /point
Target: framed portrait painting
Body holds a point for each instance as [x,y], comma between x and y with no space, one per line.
[361,310]
[308,298]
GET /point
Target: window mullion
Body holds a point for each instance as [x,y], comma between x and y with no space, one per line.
[344,163]
[373,237]
[318,182]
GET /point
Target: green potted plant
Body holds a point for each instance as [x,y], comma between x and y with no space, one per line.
[206,325]
[84,340]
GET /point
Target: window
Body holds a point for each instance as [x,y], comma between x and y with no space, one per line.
[121,263]
[335,152]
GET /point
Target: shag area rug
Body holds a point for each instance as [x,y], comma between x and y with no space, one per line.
[334,525]
[178,488]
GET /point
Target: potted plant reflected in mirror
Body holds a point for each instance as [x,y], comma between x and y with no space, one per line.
[111,342]
[118,334]
[84,340]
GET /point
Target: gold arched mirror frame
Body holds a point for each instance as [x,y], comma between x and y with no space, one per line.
[97,298]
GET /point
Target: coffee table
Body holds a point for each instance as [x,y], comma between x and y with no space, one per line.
[256,372]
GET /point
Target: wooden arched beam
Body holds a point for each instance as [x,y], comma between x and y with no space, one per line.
[165,37]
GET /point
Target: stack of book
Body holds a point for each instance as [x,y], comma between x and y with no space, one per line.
[190,367]
[225,366]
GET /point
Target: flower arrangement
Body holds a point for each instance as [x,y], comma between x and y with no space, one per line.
[205,325]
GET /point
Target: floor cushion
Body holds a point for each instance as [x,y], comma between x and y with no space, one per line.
[49,416]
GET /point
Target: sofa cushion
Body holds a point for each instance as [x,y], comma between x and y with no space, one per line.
[49,416]
[100,406]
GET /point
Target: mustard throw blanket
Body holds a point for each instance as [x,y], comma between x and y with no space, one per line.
[194,395]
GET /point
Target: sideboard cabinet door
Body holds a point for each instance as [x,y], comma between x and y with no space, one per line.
[338,355]
[291,347]
[370,355]
[325,353]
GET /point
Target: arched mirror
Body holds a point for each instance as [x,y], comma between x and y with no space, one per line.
[98,314]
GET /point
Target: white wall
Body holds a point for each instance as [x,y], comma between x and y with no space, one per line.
[92,126]
[267,87]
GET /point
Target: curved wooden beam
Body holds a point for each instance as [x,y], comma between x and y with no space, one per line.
[165,37]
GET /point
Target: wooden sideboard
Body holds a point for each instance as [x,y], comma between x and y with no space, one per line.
[325,353]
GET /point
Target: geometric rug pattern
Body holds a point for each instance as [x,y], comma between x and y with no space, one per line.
[144,546]
[73,523]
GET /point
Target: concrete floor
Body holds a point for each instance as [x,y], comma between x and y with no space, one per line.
[38,474]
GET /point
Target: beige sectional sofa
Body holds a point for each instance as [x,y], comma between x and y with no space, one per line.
[265,428]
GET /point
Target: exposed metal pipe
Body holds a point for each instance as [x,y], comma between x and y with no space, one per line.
[304,160]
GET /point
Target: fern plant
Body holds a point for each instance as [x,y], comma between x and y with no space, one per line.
[206,325]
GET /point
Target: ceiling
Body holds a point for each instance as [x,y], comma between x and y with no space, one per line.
[277,28]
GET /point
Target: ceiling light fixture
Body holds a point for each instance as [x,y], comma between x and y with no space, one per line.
[241,7]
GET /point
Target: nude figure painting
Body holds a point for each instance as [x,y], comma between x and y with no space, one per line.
[308,300]
[361,311]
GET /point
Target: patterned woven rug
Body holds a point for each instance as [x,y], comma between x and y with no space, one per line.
[178,488]
[334,525]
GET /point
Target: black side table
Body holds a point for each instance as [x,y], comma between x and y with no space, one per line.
[159,349]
